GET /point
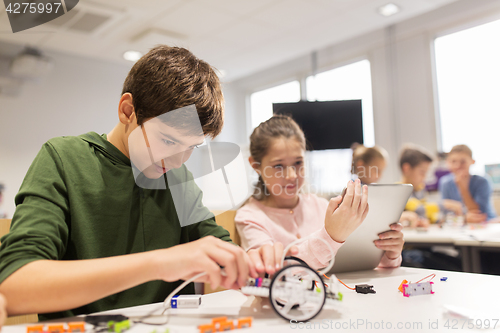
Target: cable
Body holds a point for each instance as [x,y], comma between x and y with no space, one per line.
[324,270]
[433,276]
[346,285]
[166,302]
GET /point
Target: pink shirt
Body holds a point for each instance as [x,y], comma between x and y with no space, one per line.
[259,225]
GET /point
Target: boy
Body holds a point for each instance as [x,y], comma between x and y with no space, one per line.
[414,163]
[86,238]
[472,191]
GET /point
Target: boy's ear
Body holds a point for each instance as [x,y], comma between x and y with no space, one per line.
[126,112]
[406,167]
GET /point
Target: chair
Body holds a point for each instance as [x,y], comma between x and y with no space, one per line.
[15,320]
[226,220]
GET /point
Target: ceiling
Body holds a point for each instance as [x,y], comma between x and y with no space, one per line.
[239,37]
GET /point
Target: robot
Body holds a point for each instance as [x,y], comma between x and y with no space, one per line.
[296,292]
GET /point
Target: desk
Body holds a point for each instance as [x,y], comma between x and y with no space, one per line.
[387,307]
[470,242]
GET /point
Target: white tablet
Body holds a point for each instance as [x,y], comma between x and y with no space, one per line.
[386,202]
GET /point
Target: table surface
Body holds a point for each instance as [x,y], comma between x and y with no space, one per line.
[461,236]
[472,297]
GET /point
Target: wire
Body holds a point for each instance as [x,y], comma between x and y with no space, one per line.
[166,303]
[433,276]
[324,270]
[346,285]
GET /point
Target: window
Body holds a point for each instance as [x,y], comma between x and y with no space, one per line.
[261,102]
[330,170]
[348,82]
[468,81]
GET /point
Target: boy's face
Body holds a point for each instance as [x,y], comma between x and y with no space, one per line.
[416,176]
[459,163]
[155,147]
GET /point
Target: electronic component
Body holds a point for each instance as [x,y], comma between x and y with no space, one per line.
[72,327]
[56,328]
[221,324]
[365,289]
[415,289]
[185,301]
[118,327]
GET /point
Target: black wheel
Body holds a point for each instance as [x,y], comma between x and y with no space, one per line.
[297,292]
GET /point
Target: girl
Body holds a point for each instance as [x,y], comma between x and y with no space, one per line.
[278,212]
[368,163]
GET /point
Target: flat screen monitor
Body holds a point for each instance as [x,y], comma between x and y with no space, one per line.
[326,125]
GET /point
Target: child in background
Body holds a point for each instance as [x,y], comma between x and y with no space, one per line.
[473,191]
[414,163]
[278,212]
[368,163]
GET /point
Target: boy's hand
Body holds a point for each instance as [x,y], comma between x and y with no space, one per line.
[3,310]
[344,216]
[267,258]
[462,179]
[454,206]
[391,241]
[475,216]
[208,254]
[409,219]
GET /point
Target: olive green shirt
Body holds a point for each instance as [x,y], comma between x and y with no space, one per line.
[79,200]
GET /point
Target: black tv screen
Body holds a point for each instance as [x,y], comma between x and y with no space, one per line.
[326,125]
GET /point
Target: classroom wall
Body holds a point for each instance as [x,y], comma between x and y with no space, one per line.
[78,96]
[402,75]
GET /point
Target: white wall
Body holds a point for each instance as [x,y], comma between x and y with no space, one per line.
[81,95]
[78,96]
[402,76]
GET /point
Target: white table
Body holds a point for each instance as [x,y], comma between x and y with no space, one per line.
[469,241]
[357,312]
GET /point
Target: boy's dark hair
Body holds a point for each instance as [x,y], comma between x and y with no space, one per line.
[168,78]
[461,149]
[414,155]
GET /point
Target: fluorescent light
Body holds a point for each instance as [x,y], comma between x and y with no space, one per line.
[132,55]
[388,9]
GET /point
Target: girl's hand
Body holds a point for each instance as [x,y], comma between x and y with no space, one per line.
[391,241]
[267,258]
[344,216]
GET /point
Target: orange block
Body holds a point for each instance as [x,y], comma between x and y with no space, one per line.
[55,328]
[226,326]
[207,328]
[219,320]
[34,329]
[78,326]
[245,322]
